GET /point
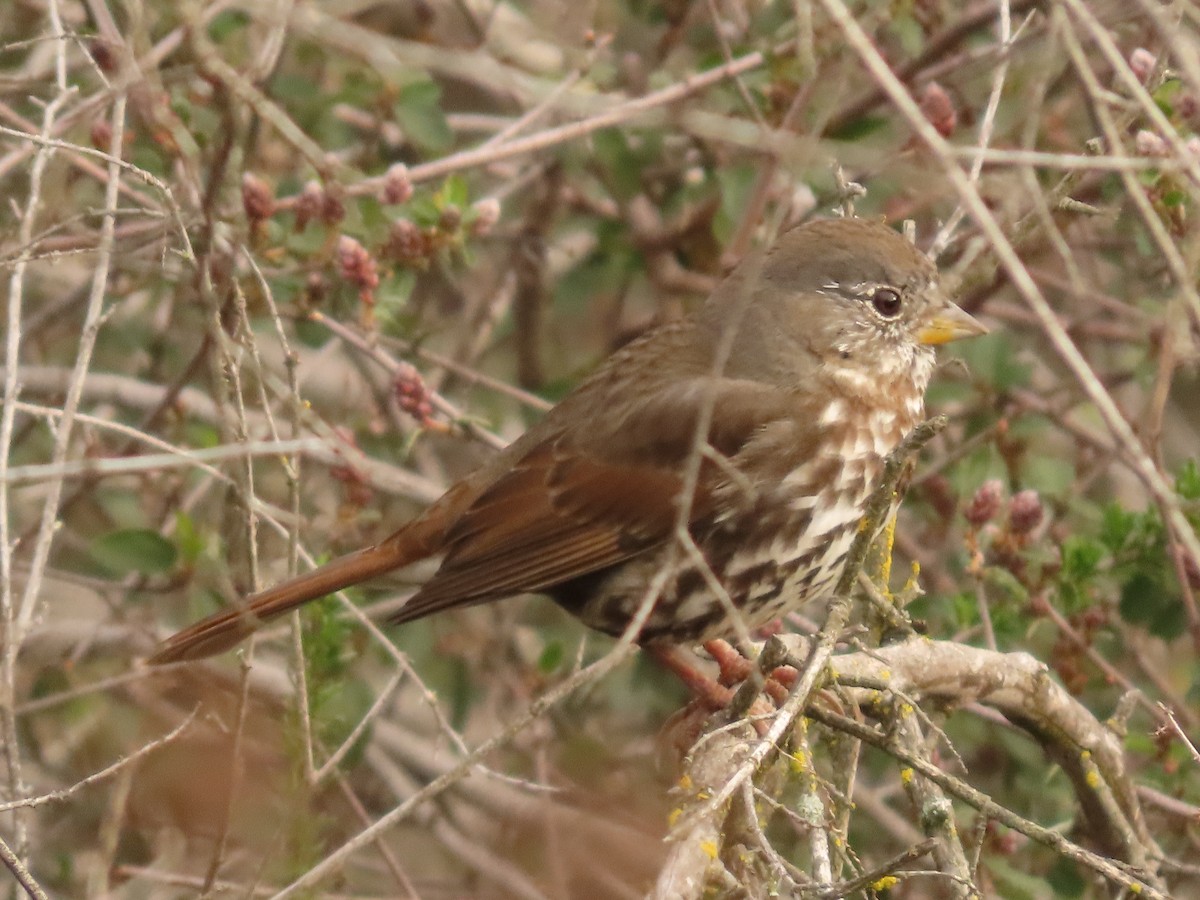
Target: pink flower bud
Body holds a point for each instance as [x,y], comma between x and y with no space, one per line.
[309,204]
[985,504]
[257,198]
[406,242]
[487,214]
[1142,62]
[397,188]
[1025,512]
[357,267]
[1149,144]
[939,109]
[411,393]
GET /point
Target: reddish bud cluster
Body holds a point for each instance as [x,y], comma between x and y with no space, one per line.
[397,187]
[939,109]
[1069,656]
[1186,106]
[486,215]
[358,488]
[102,135]
[412,395]
[356,265]
[1147,143]
[318,202]
[407,243]
[450,219]
[258,200]
[1025,513]
[1001,543]
[333,210]
[309,204]
[1142,62]
[314,289]
[103,56]
[985,504]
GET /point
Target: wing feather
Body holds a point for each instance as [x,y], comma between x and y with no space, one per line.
[571,507]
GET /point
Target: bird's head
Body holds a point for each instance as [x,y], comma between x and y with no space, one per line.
[850,298]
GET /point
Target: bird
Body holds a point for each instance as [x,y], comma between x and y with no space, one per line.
[784,392]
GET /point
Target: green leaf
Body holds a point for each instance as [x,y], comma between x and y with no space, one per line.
[189,540]
[373,217]
[1066,880]
[735,184]
[551,658]
[1049,474]
[859,128]
[1117,526]
[418,110]
[1004,580]
[1012,882]
[1080,557]
[1187,483]
[993,359]
[1174,197]
[325,636]
[424,210]
[1165,94]
[454,193]
[1146,601]
[621,164]
[134,550]
[391,302]
[342,705]
[227,24]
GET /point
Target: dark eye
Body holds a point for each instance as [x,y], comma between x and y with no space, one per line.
[886,302]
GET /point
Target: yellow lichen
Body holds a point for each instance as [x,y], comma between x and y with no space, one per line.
[885,562]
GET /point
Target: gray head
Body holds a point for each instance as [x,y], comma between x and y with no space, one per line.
[848,298]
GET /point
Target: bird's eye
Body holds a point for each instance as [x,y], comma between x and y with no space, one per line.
[886,302]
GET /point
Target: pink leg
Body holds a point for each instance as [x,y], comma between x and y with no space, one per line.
[703,687]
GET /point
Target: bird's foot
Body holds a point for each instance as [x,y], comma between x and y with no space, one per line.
[711,693]
[736,668]
[718,694]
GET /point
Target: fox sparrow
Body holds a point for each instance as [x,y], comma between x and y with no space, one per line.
[827,347]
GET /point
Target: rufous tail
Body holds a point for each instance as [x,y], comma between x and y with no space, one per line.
[223,630]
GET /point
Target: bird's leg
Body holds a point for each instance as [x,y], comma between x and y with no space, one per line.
[704,688]
[710,695]
[735,668]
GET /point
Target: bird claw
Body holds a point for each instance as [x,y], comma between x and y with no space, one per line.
[717,695]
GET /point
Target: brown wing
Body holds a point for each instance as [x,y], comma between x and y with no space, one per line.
[557,515]
[571,507]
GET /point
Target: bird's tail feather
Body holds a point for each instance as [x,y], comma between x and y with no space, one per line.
[225,629]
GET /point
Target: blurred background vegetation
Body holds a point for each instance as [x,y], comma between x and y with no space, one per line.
[351,247]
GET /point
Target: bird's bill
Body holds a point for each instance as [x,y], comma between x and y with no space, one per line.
[949,324]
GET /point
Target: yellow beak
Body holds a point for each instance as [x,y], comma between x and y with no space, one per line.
[949,324]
